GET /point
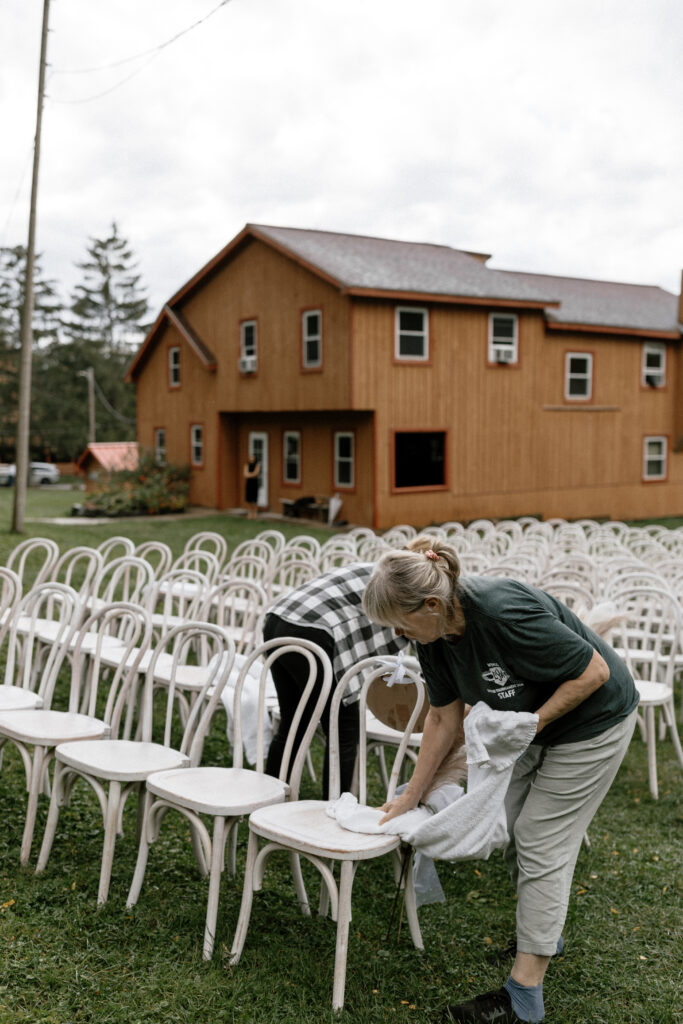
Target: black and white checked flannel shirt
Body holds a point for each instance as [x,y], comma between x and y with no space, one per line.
[332,603]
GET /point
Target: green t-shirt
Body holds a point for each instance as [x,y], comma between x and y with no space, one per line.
[519,645]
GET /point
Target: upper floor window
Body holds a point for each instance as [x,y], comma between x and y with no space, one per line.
[420,458]
[312,339]
[503,338]
[653,365]
[291,457]
[174,367]
[160,446]
[344,460]
[197,444]
[248,362]
[411,333]
[654,458]
[578,376]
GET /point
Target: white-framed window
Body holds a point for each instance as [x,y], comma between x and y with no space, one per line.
[655,457]
[160,446]
[411,333]
[312,339]
[174,366]
[291,457]
[197,444]
[248,361]
[653,365]
[578,376]
[503,338]
[344,459]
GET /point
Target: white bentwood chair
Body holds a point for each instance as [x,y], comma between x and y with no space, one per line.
[303,828]
[229,794]
[115,768]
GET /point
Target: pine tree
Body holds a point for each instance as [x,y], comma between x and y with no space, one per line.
[109,306]
[47,318]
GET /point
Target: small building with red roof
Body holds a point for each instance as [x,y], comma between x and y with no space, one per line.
[103,457]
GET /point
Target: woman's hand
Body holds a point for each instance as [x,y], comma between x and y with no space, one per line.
[399,805]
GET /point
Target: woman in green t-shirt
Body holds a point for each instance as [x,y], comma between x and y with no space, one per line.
[518,649]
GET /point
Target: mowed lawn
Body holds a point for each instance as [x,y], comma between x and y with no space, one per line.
[64,960]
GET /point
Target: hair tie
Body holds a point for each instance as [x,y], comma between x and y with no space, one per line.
[431,555]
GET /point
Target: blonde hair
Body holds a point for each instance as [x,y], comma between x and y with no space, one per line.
[404,579]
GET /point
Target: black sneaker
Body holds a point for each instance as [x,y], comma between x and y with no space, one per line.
[489,1008]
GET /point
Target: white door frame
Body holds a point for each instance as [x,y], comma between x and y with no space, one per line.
[258,445]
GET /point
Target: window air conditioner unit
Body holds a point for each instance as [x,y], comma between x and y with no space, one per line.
[504,355]
[247,364]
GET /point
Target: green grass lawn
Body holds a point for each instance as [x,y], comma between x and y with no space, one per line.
[66,961]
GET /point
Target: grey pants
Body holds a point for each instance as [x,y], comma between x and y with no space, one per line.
[553,794]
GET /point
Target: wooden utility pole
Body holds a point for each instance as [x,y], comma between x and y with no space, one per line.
[24,408]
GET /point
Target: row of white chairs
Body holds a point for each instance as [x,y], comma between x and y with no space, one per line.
[91,741]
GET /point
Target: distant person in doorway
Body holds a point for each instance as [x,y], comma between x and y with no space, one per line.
[252,471]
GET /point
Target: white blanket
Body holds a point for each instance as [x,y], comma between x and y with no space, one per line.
[470,825]
[249,706]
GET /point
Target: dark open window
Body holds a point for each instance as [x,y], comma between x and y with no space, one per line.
[419,459]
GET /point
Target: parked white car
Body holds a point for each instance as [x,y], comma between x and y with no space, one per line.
[38,473]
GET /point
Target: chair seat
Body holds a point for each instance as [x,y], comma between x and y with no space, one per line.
[120,760]
[15,698]
[653,693]
[228,792]
[378,732]
[306,825]
[187,677]
[111,656]
[48,728]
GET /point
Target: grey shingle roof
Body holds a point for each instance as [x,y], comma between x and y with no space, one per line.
[605,303]
[358,262]
[382,264]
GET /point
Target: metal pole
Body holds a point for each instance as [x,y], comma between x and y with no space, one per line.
[24,408]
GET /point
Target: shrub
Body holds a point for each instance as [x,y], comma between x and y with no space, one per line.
[151,489]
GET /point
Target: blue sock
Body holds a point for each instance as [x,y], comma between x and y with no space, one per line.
[527,1000]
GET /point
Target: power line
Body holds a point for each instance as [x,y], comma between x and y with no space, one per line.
[151,54]
[108,407]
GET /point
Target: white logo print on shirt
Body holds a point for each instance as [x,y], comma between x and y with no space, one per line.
[497,675]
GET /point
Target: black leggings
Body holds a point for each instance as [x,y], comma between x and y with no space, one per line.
[289,676]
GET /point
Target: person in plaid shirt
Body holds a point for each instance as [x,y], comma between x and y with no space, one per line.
[327,610]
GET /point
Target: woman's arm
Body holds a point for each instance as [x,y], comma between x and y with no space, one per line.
[442,726]
[572,693]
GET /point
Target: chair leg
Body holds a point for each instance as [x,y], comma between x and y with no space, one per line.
[651,750]
[300,888]
[217,855]
[34,789]
[110,828]
[52,817]
[144,806]
[247,900]
[411,907]
[343,921]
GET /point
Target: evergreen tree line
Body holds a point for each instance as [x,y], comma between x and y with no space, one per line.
[101,325]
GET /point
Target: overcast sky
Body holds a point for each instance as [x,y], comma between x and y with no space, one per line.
[546,132]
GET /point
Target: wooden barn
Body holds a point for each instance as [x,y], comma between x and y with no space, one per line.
[415,382]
